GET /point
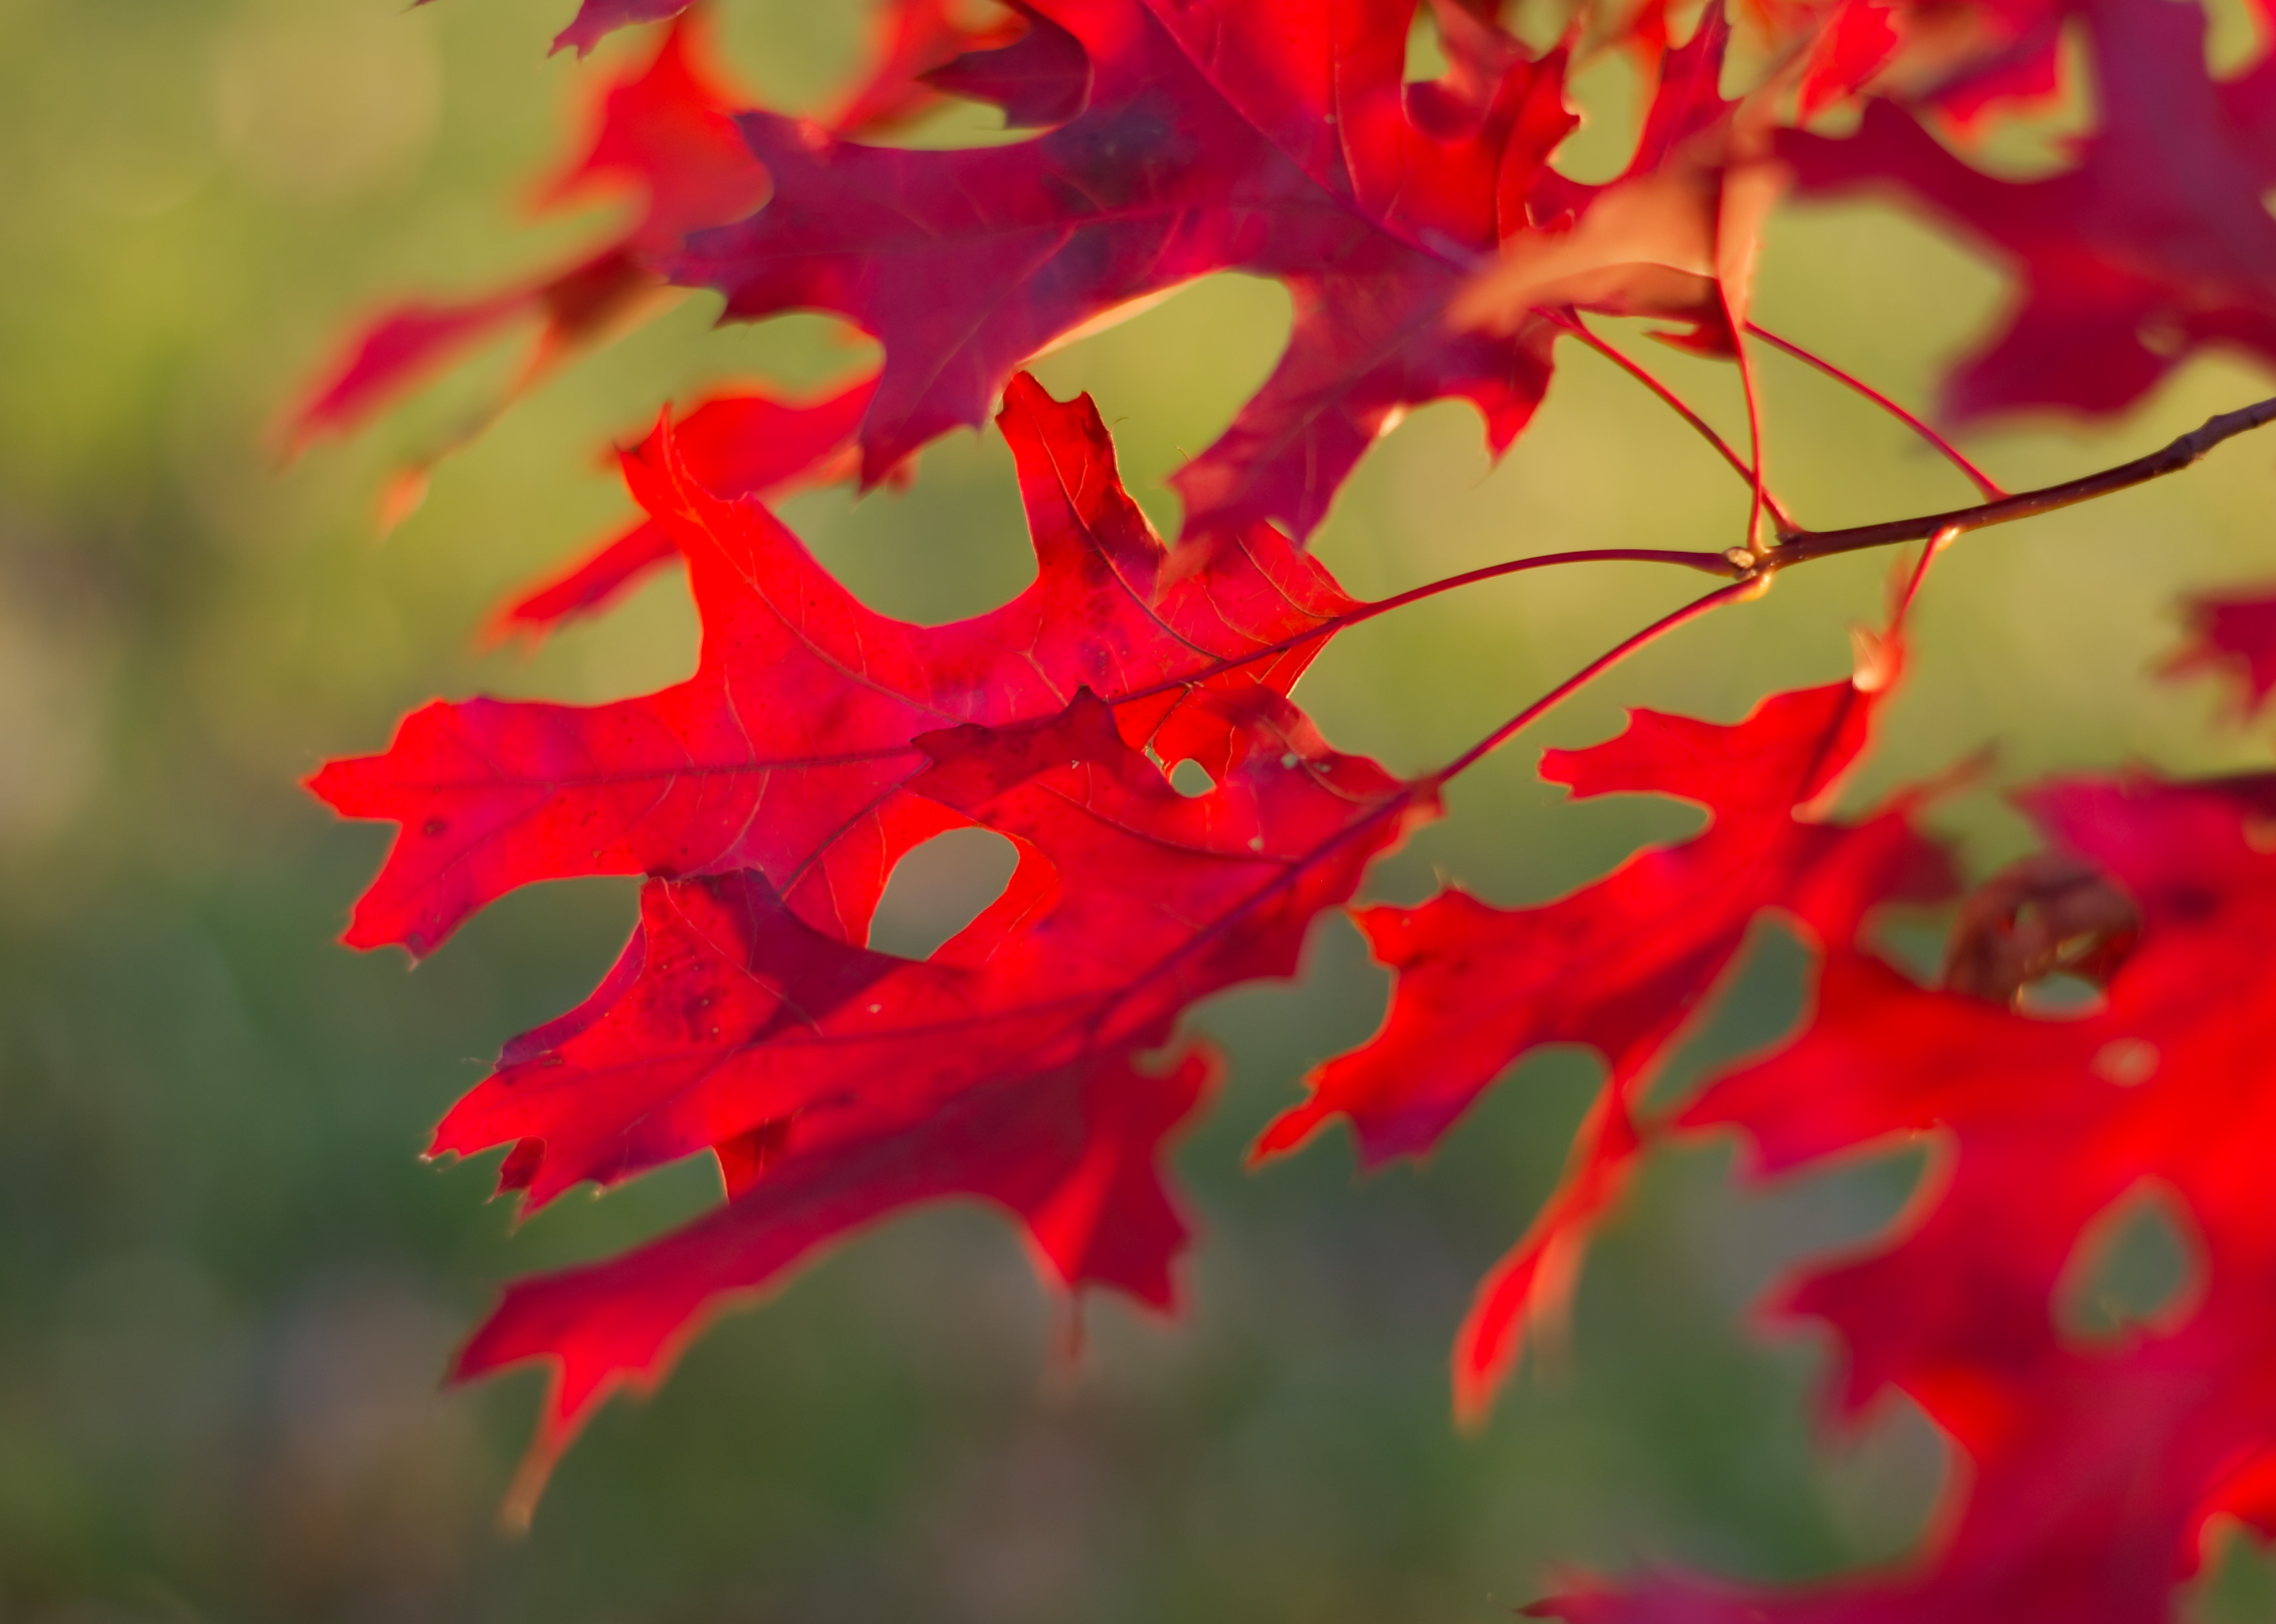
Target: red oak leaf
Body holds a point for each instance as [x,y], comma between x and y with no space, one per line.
[2155,244]
[663,136]
[733,446]
[1278,139]
[1621,965]
[787,750]
[1070,1155]
[844,1083]
[2234,634]
[2093,1465]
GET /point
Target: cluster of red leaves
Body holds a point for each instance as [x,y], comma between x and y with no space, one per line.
[2152,244]
[1034,1061]
[2095,1466]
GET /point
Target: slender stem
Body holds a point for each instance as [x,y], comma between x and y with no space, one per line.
[1934,546]
[1802,546]
[1761,496]
[1571,321]
[1981,481]
[1710,563]
[1603,662]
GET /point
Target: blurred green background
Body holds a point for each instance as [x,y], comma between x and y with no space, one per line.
[227,1285]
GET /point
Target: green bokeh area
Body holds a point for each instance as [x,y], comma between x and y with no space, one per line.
[227,1285]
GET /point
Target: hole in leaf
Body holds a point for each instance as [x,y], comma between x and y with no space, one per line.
[2163,334]
[2129,1062]
[1190,778]
[2040,138]
[939,888]
[2235,36]
[1609,91]
[1426,54]
[2059,997]
[2139,1265]
[1882,1480]
[2238,1581]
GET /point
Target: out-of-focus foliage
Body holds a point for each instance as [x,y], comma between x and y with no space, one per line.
[227,1288]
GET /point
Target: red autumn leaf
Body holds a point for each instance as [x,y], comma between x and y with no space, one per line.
[663,136]
[2093,1466]
[1621,965]
[844,1083]
[2154,245]
[1276,138]
[2233,633]
[1070,1155]
[733,446]
[787,750]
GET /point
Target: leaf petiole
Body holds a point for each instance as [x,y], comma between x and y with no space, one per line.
[1749,587]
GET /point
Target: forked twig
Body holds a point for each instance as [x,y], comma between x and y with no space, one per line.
[1570,321]
[1802,546]
[1752,575]
[1799,547]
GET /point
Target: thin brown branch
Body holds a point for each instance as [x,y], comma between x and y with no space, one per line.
[1938,530]
[1749,575]
[1760,501]
[1802,546]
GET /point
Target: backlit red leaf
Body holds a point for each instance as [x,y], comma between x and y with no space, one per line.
[787,750]
[2093,1466]
[1620,965]
[1431,251]
[1276,138]
[1007,1065]
[2155,244]
[732,446]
